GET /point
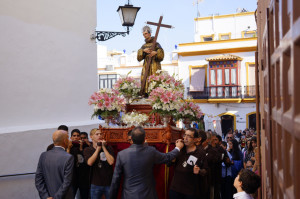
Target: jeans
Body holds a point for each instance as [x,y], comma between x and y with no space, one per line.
[98,191]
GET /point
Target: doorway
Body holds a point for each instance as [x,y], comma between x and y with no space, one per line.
[252,121]
[227,123]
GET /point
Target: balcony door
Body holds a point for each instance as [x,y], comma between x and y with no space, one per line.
[223,78]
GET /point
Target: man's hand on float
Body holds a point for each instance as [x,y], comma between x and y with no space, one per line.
[179,143]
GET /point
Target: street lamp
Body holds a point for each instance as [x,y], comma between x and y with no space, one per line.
[127,15]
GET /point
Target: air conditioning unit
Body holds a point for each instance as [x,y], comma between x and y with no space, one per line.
[109,67]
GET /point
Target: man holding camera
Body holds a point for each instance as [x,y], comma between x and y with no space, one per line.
[100,157]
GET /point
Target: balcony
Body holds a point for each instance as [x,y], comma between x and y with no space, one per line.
[223,92]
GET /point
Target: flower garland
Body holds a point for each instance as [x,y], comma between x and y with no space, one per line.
[107,103]
[189,110]
[134,118]
[164,80]
[128,86]
[165,102]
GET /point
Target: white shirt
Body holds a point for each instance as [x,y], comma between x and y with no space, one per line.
[60,147]
[242,195]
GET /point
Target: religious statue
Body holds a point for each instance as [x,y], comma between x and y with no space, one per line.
[145,53]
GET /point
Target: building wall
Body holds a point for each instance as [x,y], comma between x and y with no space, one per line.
[186,61]
[239,110]
[232,23]
[47,74]
[196,53]
[47,59]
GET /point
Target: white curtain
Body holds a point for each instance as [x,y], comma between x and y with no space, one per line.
[213,92]
[209,123]
[234,91]
[226,91]
[218,125]
[219,71]
[212,77]
[197,79]
[233,76]
[226,76]
[220,91]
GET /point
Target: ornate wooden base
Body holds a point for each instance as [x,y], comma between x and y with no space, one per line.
[165,135]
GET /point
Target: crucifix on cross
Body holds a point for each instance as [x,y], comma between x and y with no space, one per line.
[150,59]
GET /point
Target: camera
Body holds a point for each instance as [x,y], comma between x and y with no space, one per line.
[99,143]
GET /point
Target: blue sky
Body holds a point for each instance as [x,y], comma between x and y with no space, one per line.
[178,13]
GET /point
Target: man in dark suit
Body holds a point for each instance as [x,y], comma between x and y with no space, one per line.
[136,164]
[55,169]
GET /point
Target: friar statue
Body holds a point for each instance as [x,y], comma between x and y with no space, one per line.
[145,53]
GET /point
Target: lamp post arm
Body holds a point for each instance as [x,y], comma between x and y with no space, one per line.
[106,35]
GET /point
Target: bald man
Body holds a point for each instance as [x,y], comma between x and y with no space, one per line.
[55,168]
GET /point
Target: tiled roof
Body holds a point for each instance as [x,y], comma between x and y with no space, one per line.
[224,57]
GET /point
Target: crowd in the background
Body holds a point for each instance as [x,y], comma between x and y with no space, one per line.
[225,166]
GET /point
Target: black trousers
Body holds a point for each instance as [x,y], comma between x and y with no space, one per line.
[176,195]
[226,187]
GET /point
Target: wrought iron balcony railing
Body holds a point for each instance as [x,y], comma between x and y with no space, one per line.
[198,94]
[218,92]
[249,92]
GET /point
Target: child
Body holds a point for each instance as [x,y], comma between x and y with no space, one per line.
[246,183]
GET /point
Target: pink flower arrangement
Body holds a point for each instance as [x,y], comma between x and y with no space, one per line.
[128,86]
[189,110]
[165,102]
[164,80]
[107,102]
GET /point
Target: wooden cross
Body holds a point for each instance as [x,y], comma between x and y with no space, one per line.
[159,24]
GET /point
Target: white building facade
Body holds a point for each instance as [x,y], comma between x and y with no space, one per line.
[218,69]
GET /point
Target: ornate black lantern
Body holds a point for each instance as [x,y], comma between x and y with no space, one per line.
[127,15]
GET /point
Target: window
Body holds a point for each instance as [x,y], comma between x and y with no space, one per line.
[219,78]
[223,73]
[109,68]
[212,77]
[227,76]
[223,82]
[207,37]
[197,77]
[248,34]
[250,72]
[224,36]
[233,76]
[107,81]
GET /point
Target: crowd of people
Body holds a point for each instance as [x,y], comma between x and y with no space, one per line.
[206,165]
